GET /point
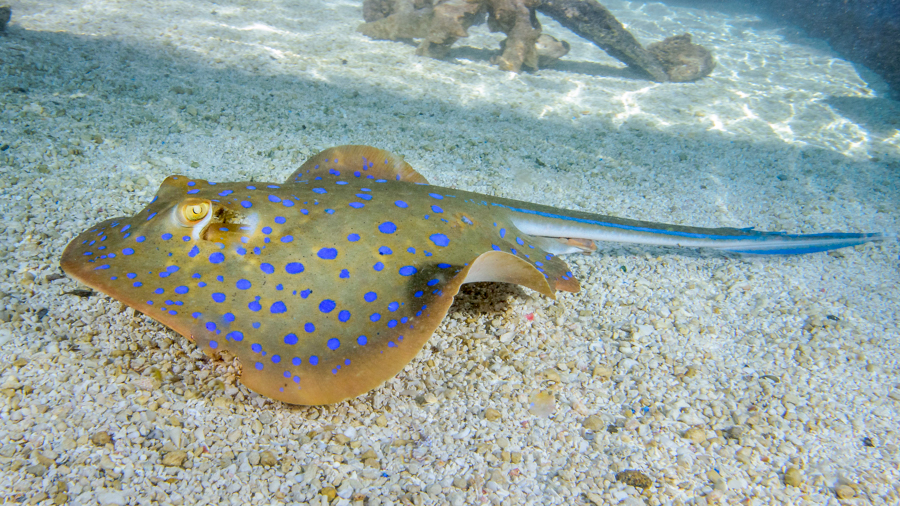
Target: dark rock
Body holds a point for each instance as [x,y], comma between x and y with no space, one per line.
[5,16]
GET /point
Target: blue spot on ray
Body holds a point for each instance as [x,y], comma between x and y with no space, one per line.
[327,253]
[439,239]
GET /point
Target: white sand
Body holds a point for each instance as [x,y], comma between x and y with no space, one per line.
[779,362]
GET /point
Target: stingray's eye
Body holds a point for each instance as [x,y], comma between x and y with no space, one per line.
[196,212]
[193,211]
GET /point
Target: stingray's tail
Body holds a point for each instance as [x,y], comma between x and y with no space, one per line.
[550,222]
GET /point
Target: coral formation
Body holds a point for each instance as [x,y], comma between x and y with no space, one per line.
[595,23]
[438,24]
[441,23]
[683,60]
[550,49]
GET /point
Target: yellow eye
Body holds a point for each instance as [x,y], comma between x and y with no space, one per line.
[194,211]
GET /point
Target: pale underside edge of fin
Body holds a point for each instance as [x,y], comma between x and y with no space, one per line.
[507,268]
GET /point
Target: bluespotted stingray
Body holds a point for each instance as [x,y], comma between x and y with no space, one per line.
[327,285]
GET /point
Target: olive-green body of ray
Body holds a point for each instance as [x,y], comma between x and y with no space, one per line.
[323,288]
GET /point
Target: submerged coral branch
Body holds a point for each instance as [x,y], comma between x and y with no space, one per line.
[438,24]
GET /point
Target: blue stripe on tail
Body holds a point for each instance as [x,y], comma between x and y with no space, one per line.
[767,243]
[785,248]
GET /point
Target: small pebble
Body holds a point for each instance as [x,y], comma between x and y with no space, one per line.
[695,434]
[844,492]
[43,459]
[492,414]
[734,432]
[793,477]
[551,375]
[329,492]
[596,499]
[174,459]
[60,494]
[602,372]
[542,403]
[36,470]
[111,498]
[101,438]
[267,459]
[634,478]
[593,422]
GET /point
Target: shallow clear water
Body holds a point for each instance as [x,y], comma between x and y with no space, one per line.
[101,101]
